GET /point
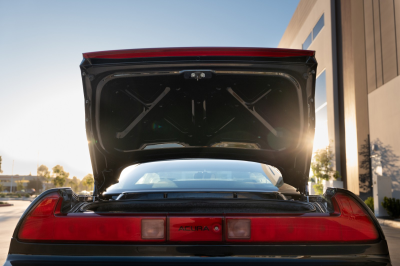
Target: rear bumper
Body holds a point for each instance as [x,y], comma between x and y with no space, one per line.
[22,260]
[22,253]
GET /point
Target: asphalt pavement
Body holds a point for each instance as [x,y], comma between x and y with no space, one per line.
[9,217]
[393,238]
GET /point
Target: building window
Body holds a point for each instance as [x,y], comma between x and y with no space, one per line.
[311,37]
[318,27]
[321,138]
[307,42]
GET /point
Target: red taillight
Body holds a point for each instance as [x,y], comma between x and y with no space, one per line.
[39,223]
[46,223]
[198,51]
[348,223]
[356,225]
[46,206]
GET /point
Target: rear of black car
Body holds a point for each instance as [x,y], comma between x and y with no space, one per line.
[204,132]
[270,230]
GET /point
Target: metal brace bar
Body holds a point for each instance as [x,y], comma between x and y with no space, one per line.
[146,105]
[125,132]
[259,98]
[253,112]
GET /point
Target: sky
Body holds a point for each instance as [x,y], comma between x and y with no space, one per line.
[42,117]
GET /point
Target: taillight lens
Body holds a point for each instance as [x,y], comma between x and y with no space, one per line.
[46,207]
[39,223]
[46,223]
[356,224]
[153,229]
[239,228]
[349,223]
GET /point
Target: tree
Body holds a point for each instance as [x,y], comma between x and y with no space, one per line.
[1,188]
[74,183]
[20,185]
[88,182]
[59,181]
[36,184]
[322,169]
[60,176]
[365,176]
[370,203]
[392,206]
[43,170]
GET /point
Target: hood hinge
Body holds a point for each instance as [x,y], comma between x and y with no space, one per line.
[107,174]
[302,188]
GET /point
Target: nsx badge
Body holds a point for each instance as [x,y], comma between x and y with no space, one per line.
[193,228]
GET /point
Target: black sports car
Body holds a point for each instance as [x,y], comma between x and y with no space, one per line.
[200,156]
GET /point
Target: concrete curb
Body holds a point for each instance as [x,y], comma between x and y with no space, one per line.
[5,205]
[391,223]
[7,199]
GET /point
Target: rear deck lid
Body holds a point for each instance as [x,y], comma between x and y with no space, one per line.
[253,104]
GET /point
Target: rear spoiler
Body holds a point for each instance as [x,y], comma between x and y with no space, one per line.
[197,51]
[161,54]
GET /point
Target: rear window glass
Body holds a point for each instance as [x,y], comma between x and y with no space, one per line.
[198,175]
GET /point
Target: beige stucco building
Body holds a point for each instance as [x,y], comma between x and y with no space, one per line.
[357,46]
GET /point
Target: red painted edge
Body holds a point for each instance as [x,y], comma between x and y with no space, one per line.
[198,51]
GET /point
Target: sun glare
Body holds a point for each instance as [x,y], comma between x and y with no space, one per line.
[321,138]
